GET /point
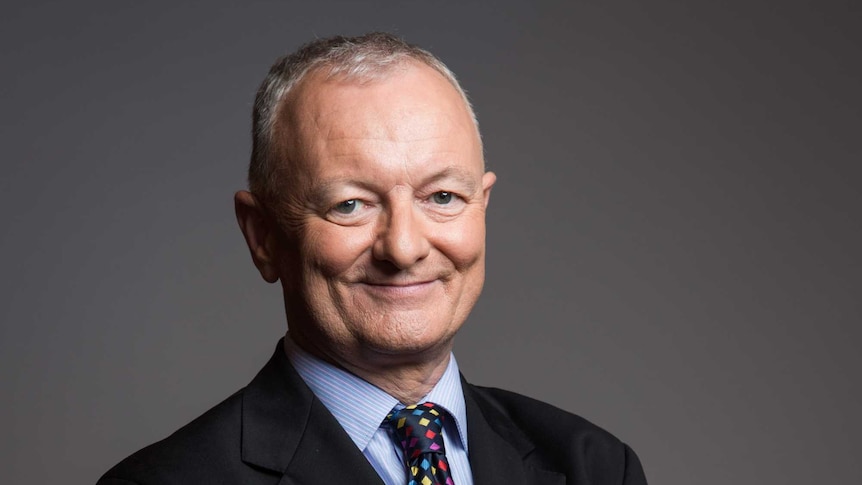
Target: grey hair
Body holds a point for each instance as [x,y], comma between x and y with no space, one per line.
[364,58]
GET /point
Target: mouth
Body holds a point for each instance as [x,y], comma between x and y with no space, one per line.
[398,283]
[400,289]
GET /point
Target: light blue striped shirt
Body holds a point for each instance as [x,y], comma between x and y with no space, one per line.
[340,390]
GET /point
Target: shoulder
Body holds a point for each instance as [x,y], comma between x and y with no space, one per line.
[560,440]
[243,439]
[197,452]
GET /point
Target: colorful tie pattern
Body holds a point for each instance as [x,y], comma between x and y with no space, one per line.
[418,429]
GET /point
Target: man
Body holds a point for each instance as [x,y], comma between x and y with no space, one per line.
[367,202]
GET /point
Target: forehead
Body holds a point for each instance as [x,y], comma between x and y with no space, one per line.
[410,114]
[407,81]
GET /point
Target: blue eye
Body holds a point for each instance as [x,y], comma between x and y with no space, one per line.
[442,198]
[347,207]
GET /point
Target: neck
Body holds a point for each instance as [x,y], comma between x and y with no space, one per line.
[407,383]
[406,378]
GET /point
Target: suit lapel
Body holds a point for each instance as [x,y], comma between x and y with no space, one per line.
[326,454]
[498,450]
[286,430]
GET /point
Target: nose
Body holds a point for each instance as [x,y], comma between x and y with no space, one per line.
[401,239]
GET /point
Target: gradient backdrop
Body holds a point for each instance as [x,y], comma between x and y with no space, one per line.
[673,246]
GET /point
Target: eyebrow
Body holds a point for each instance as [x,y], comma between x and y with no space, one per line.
[465,178]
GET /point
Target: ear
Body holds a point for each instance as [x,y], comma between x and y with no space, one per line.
[487,182]
[259,232]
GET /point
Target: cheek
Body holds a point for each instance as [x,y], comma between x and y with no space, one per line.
[463,242]
[332,250]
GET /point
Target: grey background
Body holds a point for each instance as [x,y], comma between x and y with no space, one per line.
[673,245]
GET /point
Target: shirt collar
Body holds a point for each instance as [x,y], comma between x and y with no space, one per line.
[341,392]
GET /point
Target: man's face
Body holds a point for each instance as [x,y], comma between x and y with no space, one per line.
[382,215]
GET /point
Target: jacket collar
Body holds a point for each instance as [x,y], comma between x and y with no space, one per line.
[499,451]
[287,430]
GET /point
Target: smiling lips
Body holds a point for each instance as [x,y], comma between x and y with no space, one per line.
[400,289]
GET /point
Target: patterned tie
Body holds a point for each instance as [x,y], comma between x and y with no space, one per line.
[418,429]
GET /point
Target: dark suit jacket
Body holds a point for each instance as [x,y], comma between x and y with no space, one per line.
[275,431]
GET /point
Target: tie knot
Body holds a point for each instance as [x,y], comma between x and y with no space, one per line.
[419,429]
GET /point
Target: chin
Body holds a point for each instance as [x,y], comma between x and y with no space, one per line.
[410,337]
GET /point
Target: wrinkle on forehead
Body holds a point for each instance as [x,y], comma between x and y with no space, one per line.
[385,123]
